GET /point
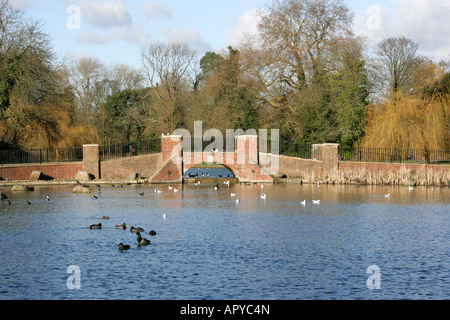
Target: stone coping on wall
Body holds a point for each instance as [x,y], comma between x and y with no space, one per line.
[37,164]
[7,183]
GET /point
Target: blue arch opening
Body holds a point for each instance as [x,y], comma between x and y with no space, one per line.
[219,172]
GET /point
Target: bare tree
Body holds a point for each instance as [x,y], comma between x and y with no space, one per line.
[169,71]
[292,48]
[25,58]
[86,78]
[27,80]
[124,77]
[395,64]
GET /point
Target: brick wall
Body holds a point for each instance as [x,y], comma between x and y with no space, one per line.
[65,171]
[300,168]
[123,169]
[356,167]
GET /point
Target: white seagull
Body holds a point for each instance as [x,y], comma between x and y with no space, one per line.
[316,201]
[303,202]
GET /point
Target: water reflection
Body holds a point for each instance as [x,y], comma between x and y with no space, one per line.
[210,247]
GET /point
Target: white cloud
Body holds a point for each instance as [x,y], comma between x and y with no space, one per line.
[426,22]
[132,35]
[423,21]
[189,36]
[374,23]
[247,25]
[105,14]
[22,4]
[155,9]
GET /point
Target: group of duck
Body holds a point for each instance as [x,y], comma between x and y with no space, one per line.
[5,197]
[141,241]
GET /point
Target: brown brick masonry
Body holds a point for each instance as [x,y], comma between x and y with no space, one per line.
[64,171]
[164,168]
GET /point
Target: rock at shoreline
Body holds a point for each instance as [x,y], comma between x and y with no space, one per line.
[84,176]
[408,182]
[20,188]
[81,189]
[36,176]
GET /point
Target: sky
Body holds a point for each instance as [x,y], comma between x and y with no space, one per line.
[114,31]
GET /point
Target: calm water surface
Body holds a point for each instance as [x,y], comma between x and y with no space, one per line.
[211,248]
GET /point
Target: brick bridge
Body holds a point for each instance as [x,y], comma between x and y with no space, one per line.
[246,162]
[169,166]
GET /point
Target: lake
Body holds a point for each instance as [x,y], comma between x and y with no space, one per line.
[211,248]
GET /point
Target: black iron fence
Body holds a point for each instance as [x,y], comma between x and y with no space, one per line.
[41,155]
[130,149]
[298,151]
[392,155]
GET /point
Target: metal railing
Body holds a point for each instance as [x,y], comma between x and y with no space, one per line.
[130,149]
[392,155]
[303,151]
[41,156]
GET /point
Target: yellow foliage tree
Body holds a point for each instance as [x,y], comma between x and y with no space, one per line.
[409,122]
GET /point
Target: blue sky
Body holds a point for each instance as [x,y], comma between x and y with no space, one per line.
[114,30]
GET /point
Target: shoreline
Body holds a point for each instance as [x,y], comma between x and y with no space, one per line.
[287,181]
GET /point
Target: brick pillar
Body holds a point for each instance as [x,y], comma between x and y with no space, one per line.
[91,159]
[171,146]
[172,169]
[330,158]
[247,149]
[317,151]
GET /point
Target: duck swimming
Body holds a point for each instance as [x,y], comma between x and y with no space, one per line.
[152,233]
[105,218]
[121,226]
[96,226]
[136,230]
[124,247]
[142,241]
